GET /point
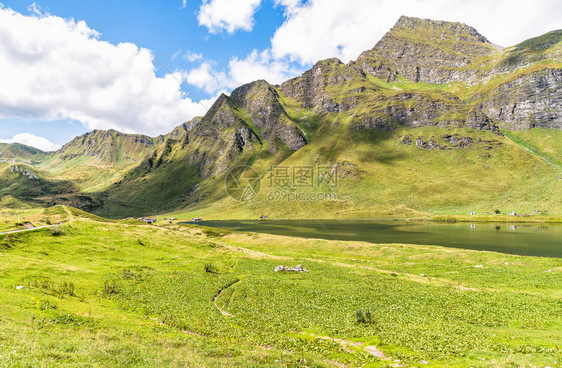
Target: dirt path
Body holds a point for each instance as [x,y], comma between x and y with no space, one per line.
[539,155]
[223,312]
[24,230]
[350,345]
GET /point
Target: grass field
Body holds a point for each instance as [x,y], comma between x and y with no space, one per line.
[123,295]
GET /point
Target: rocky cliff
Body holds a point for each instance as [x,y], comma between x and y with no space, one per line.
[529,100]
[261,102]
[429,51]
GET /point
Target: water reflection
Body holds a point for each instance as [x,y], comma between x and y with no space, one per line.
[524,239]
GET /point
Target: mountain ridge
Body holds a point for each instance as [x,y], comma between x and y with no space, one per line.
[426,85]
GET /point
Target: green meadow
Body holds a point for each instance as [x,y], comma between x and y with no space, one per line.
[94,293]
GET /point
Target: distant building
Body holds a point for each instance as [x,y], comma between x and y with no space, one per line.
[196,219]
[473,213]
[512,213]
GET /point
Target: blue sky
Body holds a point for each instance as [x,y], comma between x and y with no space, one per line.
[68,67]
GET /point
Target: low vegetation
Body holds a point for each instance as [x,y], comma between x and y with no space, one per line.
[118,294]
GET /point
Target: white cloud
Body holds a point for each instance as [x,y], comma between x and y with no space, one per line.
[52,69]
[184,4]
[228,15]
[321,29]
[34,8]
[256,65]
[33,141]
[207,78]
[192,56]
[290,5]
[260,65]
[175,55]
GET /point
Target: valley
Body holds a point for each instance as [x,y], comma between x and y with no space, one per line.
[402,209]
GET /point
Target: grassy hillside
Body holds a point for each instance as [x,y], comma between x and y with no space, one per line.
[21,153]
[380,177]
[546,144]
[114,294]
[109,148]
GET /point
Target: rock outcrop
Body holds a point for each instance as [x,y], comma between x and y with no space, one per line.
[417,109]
[429,51]
[326,87]
[261,102]
[180,132]
[221,136]
[23,171]
[530,100]
[297,268]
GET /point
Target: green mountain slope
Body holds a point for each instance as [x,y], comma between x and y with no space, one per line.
[19,153]
[108,148]
[434,119]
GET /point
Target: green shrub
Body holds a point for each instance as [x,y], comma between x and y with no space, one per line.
[67,288]
[52,288]
[69,319]
[6,242]
[211,268]
[364,317]
[56,231]
[109,288]
[45,305]
[214,233]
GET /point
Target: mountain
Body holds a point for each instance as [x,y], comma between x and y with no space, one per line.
[108,148]
[433,119]
[19,152]
[428,51]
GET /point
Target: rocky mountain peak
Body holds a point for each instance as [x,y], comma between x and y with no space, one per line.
[437,28]
[181,130]
[261,102]
[429,51]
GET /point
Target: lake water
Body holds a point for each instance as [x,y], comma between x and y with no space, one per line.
[543,240]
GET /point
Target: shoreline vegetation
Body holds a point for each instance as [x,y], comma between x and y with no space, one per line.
[20,219]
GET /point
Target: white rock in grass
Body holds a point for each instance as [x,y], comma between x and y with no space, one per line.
[424,362]
[19,287]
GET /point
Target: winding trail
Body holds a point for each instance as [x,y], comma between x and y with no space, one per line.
[32,229]
[537,154]
[223,312]
[70,216]
[348,345]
